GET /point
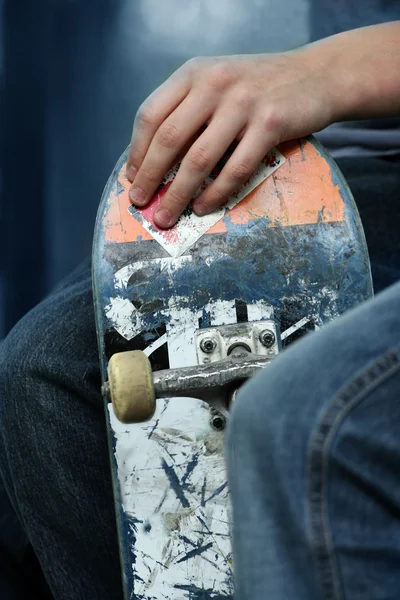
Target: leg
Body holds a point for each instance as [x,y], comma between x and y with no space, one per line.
[53,444]
[13,547]
[313,459]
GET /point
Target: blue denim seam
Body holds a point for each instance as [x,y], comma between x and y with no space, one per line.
[348,397]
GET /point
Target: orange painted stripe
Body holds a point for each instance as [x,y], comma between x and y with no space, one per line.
[293,195]
[119,224]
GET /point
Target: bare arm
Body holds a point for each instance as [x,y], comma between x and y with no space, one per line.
[260,100]
[363,68]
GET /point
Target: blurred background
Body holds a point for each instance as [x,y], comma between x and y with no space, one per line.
[72,75]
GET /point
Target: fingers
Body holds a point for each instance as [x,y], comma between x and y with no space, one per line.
[239,168]
[198,163]
[167,144]
[197,114]
[162,102]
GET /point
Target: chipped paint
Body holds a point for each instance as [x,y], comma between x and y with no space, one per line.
[302,186]
[121,312]
[124,317]
[169,265]
[189,228]
[172,474]
[294,245]
[174,481]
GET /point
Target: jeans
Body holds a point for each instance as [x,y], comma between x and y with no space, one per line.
[20,575]
[314,464]
[54,456]
[53,445]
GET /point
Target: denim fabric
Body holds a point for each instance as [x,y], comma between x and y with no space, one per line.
[13,547]
[53,447]
[314,464]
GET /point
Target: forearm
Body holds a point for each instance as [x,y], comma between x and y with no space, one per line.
[361,69]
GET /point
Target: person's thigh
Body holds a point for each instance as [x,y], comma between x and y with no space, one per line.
[313,457]
[53,443]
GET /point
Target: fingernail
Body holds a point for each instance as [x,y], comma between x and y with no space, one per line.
[137,195]
[163,218]
[131,173]
[200,209]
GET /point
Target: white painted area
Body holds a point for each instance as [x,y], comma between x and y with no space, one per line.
[259,311]
[221,313]
[168,529]
[183,532]
[185,233]
[124,317]
[155,345]
[290,330]
[180,335]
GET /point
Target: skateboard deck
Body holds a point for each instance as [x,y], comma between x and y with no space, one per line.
[286,256]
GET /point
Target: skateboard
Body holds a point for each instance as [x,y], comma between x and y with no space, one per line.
[183,318]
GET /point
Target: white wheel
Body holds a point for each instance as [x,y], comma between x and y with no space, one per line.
[131,386]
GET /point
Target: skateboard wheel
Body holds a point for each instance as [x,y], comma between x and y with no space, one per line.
[131,386]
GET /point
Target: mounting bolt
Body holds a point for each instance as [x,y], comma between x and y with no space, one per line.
[208,345]
[267,338]
[217,422]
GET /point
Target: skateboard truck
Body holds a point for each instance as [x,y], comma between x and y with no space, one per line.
[228,355]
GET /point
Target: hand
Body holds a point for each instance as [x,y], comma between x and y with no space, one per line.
[204,107]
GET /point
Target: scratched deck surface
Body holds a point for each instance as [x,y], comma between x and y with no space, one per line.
[294,245]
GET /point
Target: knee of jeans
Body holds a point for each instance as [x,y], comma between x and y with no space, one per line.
[277,416]
[52,348]
[20,357]
[27,356]
[286,401]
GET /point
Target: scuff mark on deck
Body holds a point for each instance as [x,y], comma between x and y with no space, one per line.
[175,483]
[195,552]
[216,493]
[196,593]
